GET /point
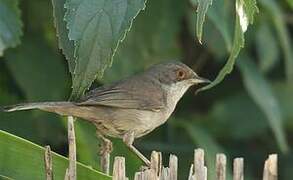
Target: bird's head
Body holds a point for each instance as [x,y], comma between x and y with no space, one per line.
[175,77]
[174,72]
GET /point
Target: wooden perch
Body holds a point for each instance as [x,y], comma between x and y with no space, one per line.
[71,170]
[198,170]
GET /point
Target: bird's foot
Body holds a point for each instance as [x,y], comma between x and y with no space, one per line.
[128,140]
[106,146]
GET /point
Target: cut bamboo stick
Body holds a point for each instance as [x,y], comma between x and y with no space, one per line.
[238,169]
[48,163]
[199,170]
[173,165]
[71,173]
[119,169]
[271,168]
[221,162]
[156,163]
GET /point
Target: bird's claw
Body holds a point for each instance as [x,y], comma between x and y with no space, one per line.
[106,147]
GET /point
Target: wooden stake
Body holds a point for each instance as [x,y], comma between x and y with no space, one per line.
[199,168]
[238,169]
[119,169]
[173,165]
[221,162]
[271,168]
[156,163]
[71,171]
[105,163]
[48,163]
[191,173]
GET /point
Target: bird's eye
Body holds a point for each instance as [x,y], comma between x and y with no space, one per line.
[180,74]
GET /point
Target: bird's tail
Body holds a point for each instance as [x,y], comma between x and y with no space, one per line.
[40,105]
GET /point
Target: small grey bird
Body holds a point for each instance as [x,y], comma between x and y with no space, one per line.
[129,108]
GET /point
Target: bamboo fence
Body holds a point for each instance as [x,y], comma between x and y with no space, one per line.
[198,170]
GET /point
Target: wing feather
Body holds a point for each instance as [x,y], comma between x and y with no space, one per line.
[130,94]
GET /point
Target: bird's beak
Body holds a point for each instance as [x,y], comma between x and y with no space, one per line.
[200,80]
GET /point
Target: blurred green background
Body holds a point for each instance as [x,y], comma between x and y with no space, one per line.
[250,114]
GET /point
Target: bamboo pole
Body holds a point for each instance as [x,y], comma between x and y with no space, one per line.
[173,165]
[71,170]
[48,163]
[119,169]
[238,169]
[221,162]
[199,168]
[271,168]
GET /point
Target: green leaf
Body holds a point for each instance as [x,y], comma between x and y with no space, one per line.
[267,47]
[5,178]
[290,2]
[228,112]
[65,44]
[261,92]
[87,143]
[97,27]
[202,8]
[37,70]
[40,75]
[150,44]
[283,34]
[243,18]
[10,24]
[25,160]
[218,14]
[250,9]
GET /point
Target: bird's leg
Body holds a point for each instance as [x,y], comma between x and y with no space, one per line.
[106,148]
[128,139]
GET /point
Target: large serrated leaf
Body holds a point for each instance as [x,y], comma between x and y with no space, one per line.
[65,44]
[145,44]
[97,27]
[10,24]
[241,24]
[25,160]
[262,94]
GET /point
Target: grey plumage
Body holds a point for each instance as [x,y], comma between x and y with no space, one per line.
[135,105]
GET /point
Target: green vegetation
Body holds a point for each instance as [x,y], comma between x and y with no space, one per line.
[245,45]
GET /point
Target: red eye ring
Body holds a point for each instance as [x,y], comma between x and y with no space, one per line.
[180,74]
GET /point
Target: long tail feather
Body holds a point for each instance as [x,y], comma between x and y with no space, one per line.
[27,106]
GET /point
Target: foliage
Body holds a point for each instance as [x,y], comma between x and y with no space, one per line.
[248,114]
[10,24]
[24,160]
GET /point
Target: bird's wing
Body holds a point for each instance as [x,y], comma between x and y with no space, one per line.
[129,94]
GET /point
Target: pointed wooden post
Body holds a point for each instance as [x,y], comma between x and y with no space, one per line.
[271,168]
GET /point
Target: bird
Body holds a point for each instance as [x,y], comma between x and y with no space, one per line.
[129,108]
